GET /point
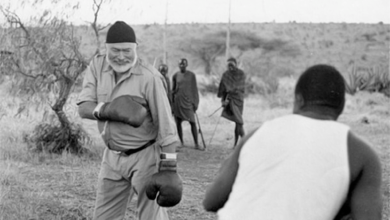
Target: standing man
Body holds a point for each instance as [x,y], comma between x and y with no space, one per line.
[163,69]
[231,91]
[127,98]
[185,99]
[305,165]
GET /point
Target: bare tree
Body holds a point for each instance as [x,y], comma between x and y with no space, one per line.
[48,59]
[96,7]
[209,47]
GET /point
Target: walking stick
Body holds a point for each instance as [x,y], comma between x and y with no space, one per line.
[200,131]
[227,96]
[215,111]
[214,130]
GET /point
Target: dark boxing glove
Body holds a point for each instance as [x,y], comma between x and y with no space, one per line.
[166,185]
[124,109]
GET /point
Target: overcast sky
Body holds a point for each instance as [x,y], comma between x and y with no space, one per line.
[211,11]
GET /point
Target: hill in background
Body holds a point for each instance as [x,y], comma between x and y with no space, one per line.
[296,45]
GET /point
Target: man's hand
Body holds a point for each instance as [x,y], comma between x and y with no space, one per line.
[225,103]
[166,185]
[122,109]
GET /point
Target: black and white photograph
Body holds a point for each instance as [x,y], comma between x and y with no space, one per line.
[194,110]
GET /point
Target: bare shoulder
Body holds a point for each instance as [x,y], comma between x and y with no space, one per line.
[364,200]
[361,157]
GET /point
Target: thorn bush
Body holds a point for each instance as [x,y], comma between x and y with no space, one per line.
[54,138]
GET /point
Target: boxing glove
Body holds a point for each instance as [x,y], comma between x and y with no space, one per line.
[166,187]
[126,109]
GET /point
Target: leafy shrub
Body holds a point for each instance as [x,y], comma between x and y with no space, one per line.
[53,138]
[264,85]
[212,85]
[372,79]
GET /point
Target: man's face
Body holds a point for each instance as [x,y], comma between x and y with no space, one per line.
[183,65]
[232,66]
[121,56]
[163,70]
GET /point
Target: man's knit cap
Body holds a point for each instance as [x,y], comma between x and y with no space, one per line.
[120,32]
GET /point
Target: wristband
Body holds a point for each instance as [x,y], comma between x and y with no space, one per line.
[96,111]
[168,156]
[167,165]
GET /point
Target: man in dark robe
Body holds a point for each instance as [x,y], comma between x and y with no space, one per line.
[185,100]
[231,91]
[163,69]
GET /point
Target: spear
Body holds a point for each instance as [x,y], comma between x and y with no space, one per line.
[200,131]
[214,130]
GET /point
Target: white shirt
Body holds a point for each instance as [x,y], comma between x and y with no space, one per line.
[293,167]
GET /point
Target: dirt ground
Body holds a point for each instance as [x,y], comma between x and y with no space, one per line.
[42,186]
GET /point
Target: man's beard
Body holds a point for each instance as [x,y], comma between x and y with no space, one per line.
[121,68]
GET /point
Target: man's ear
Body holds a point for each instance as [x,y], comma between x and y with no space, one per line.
[298,103]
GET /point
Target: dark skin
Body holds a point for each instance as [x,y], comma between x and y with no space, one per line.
[239,129]
[194,130]
[364,200]
[163,70]
[183,68]
[238,132]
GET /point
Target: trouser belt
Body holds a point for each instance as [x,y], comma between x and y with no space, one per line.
[132,151]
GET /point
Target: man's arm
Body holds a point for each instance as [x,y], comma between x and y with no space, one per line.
[218,192]
[86,110]
[174,86]
[195,92]
[364,198]
[221,88]
[160,110]
[87,99]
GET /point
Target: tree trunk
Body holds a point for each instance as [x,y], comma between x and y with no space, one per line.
[65,88]
[208,68]
[96,31]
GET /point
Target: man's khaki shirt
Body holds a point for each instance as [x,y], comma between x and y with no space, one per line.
[142,81]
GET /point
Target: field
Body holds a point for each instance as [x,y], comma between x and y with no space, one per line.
[339,44]
[43,186]
[38,186]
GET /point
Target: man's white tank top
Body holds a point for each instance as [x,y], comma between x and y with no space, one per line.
[293,167]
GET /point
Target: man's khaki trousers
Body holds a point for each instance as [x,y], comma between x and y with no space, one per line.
[119,175]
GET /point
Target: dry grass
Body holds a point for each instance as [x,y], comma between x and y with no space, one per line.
[43,186]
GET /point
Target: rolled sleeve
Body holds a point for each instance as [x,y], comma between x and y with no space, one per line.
[88,92]
[161,113]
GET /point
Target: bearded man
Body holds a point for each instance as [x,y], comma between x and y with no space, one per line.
[231,91]
[127,98]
